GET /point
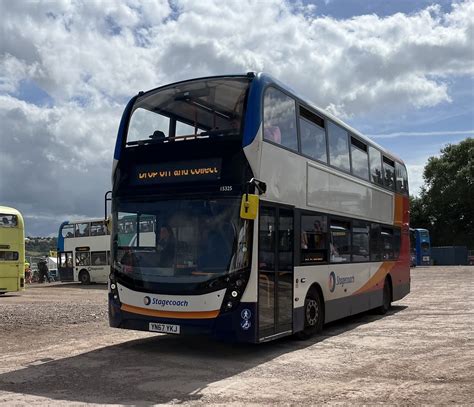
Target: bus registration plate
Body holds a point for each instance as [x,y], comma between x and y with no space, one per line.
[164,328]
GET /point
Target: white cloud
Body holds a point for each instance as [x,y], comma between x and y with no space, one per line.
[415,177]
[91,56]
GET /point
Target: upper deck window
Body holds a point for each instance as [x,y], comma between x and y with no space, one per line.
[375,165]
[8,221]
[313,135]
[338,147]
[82,229]
[67,230]
[205,108]
[389,173]
[360,159]
[279,119]
[402,178]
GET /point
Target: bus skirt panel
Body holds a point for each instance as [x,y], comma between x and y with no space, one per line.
[238,325]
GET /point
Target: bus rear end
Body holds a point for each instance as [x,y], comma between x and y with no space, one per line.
[12,251]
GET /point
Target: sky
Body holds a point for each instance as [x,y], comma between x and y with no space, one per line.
[401,72]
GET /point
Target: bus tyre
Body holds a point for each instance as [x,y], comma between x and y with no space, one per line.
[313,315]
[386,297]
[84,277]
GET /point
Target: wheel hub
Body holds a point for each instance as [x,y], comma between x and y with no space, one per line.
[312,312]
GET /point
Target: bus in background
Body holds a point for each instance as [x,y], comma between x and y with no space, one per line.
[270,216]
[84,251]
[422,247]
[412,248]
[12,250]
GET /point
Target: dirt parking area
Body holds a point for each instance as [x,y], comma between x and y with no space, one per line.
[56,348]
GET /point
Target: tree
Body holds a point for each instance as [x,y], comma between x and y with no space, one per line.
[445,206]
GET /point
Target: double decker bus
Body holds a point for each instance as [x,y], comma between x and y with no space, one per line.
[422,246]
[12,250]
[270,216]
[84,251]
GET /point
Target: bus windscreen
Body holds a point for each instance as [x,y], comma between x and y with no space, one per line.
[204,108]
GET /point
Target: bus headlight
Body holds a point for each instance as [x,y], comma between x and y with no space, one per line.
[235,288]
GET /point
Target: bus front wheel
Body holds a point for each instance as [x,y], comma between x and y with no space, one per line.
[84,277]
[313,315]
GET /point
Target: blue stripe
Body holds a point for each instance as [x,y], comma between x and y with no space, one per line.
[60,243]
[122,127]
[253,114]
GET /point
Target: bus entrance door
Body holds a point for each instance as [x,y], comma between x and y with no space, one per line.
[65,269]
[275,259]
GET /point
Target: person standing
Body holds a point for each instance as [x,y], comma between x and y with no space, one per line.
[43,271]
[166,246]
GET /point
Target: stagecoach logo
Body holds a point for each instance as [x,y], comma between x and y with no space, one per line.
[332,281]
[163,303]
[336,280]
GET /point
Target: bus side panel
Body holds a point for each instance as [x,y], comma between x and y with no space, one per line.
[230,326]
[341,286]
[12,273]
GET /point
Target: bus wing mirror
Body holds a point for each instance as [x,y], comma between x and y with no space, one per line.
[249,206]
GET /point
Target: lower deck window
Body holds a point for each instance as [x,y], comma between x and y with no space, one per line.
[98,258]
[8,256]
[313,239]
[83,259]
[340,245]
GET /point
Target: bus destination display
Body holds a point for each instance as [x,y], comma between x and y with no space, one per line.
[186,171]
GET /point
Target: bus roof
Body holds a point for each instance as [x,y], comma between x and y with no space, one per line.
[266,80]
[70,222]
[9,211]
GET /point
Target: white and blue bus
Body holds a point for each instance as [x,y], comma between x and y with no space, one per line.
[256,214]
[84,251]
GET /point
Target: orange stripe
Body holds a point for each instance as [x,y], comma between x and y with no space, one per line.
[170,314]
[378,277]
[398,212]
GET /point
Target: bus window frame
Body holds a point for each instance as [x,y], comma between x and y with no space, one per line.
[95,252]
[88,228]
[345,220]
[298,229]
[299,118]
[68,226]
[274,86]
[348,133]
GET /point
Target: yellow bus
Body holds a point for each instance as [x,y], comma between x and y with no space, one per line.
[12,250]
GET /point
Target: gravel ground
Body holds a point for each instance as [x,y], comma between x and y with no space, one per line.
[56,348]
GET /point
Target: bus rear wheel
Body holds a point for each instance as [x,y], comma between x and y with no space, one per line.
[386,297]
[84,277]
[313,315]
